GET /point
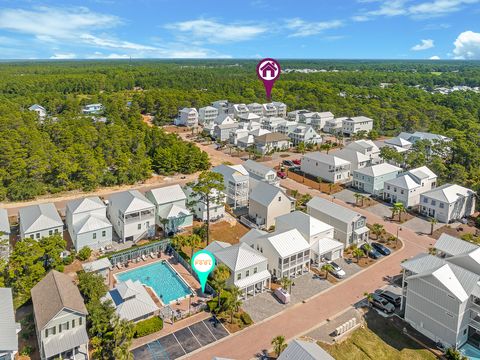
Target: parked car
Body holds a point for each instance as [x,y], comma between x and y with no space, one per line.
[297,162]
[382,304]
[288,163]
[391,297]
[373,254]
[281,175]
[337,270]
[381,248]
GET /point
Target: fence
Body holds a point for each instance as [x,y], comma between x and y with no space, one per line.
[208,289]
[137,251]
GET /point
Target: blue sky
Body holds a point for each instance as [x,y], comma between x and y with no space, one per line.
[367,29]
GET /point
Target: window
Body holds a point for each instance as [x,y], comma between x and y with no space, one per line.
[73,323]
[38,236]
[139,226]
[247,273]
[56,231]
[434,203]
[442,205]
[401,192]
[388,187]
[104,233]
[425,200]
[50,232]
[65,326]
[239,276]
[279,198]
[32,236]
[255,270]
[50,331]
[94,236]
[80,321]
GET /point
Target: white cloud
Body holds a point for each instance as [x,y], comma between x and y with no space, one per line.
[424,45]
[302,28]
[63,56]
[434,57]
[423,10]
[215,32]
[47,23]
[112,43]
[467,45]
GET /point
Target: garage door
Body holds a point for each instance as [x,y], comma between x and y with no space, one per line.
[336,254]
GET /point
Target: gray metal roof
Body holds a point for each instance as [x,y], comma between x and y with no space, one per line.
[39,217]
[8,327]
[97,265]
[306,224]
[453,246]
[378,170]
[216,245]
[257,168]
[337,211]
[252,234]
[264,193]
[129,201]
[91,223]
[448,193]
[239,256]
[64,341]
[86,204]
[326,158]
[304,350]
[168,194]
[351,154]
[4,224]
[288,242]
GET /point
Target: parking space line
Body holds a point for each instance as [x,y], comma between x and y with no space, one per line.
[195,337]
[210,331]
[179,343]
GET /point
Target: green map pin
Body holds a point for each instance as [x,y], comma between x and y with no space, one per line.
[203,263]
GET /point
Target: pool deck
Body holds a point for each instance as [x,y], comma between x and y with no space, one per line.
[182,305]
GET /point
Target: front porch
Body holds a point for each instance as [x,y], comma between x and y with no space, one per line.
[253,285]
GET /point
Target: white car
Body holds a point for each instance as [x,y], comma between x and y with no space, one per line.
[337,270]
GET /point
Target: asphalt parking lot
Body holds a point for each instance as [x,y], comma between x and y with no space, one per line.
[182,342]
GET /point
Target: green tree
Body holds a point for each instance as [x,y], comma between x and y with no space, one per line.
[358,253]
[92,286]
[377,230]
[398,208]
[357,197]
[193,241]
[301,147]
[432,221]
[454,354]
[221,273]
[286,283]
[84,253]
[327,268]
[208,190]
[279,344]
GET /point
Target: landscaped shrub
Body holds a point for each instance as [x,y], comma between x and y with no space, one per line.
[246,319]
[147,327]
[84,253]
[67,260]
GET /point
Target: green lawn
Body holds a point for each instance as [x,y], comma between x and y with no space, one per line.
[366,344]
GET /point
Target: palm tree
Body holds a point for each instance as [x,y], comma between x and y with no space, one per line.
[330,188]
[301,148]
[319,180]
[286,283]
[432,251]
[358,253]
[398,208]
[220,277]
[234,302]
[433,221]
[194,241]
[279,344]
[369,297]
[377,229]
[327,268]
[178,241]
[362,197]
[367,248]
[357,197]
[294,193]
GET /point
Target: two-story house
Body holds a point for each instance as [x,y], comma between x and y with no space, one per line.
[281,109]
[4,234]
[371,179]
[223,106]
[288,252]
[267,202]
[207,115]
[187,117]
[356,159]
[448,203]
[441,294]
[261,172]
[240,110]
[407,187]
[273,124]
[9,328]
[172,214]
[287,127]
[60,318]
[236,184]
[367,148]
[334,126]
[248,267]
[87,223]
[305,134]
[38,221]
[326,166]
[319,119]
[349,226]
[271,142]
[199,207]
[132,215]
[255,108]
[355,124]
[269,110]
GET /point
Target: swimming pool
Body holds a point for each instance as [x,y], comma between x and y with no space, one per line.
[470,351]
[162,278]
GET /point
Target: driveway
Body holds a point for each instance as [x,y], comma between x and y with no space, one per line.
[381,210]
[346,195]
[421,226]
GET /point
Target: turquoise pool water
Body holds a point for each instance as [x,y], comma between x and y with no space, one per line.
[470,351]
[165,281]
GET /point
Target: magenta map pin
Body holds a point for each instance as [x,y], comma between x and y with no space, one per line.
[268,70]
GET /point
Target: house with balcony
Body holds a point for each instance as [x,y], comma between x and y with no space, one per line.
[441,294]
[60,318]
[92,109]
[281,109]
[273,123]
[207,114]
[356,159]
[334,126]
[349,226]
[326,166]
[87,223]
[255,108]
[240,110]
[267,202]
[187,117]
[249,117]
[353,125]
[367,148]
[371,179]
[305,134]
[295,114]
[5,232]
[261,172]
[288,252]
[272,142]
[199,208]
[39,221]
[132,215]
[287,127]
[223,107]
[319,119]
[172,214]
[407,187]
[9,329]
[323,247]
[236,183]
[448,203]
[269,110]
[248,267]
[222,132]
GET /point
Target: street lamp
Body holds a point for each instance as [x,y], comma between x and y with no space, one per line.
[399,228]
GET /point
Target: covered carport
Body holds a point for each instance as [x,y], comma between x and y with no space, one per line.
[325,249]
